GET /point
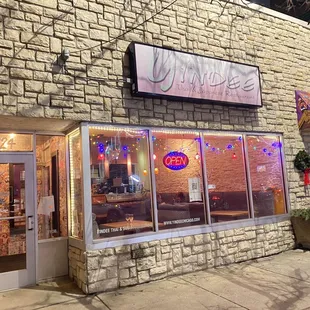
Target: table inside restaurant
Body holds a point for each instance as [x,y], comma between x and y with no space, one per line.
[227,213]
[135,224]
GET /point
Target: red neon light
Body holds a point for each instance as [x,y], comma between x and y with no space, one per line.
[175,160]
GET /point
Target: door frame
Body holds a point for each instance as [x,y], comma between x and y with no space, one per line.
[26,277]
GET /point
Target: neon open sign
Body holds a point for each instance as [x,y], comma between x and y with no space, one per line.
[175,161]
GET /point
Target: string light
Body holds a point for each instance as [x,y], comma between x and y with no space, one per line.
[176,132]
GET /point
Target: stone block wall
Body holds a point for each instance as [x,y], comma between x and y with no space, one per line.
[33,84]
[77,267]
[112,268]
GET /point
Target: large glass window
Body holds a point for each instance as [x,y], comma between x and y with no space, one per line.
[179,182]
[226,177]
[120,182]
[240,169]
[264,154]
[76,189]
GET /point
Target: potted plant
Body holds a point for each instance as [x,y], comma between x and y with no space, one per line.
[301,217]
[302,163]
[301,226]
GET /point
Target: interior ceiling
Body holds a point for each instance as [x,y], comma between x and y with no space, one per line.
[40,139]
[34,124]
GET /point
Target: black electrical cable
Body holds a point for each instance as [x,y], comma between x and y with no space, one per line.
[127,31]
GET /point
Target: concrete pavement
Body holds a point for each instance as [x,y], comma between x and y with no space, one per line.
[279,282]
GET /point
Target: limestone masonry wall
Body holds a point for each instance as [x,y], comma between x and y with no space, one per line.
[32,84]
[111,268]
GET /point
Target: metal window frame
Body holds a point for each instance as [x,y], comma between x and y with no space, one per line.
[248,175]
[285,177]
[208,220]
[86,184]
[79,243]
[153,181]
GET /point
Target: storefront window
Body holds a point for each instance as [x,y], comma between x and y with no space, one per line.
[226,177]
[51,186]
[240,169]
[266,175]
[179,183]
[120,182]
[76,189]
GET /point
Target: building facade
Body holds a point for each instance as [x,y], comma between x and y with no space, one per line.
[113,204]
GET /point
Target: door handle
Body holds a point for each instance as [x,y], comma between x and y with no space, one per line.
[30,222]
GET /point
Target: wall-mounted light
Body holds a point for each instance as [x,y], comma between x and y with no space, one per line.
[65,54]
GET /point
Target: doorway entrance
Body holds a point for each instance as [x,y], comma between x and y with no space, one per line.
[17,221]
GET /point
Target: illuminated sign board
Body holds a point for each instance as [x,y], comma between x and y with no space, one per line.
[303,109]
[175,161]
[174,75]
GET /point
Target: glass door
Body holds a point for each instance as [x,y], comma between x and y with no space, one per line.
[17,231]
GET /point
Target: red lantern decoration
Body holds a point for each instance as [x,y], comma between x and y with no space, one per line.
[307,177]
[101,157]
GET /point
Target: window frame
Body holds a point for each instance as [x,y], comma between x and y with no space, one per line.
[246,167]
[199,134]
[93,244]
[283,172]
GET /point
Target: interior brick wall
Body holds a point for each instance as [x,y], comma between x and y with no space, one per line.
[170,181]
[226,170]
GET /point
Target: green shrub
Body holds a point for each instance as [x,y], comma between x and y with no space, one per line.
[303,213]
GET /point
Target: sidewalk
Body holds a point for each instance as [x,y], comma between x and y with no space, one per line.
[279,282]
